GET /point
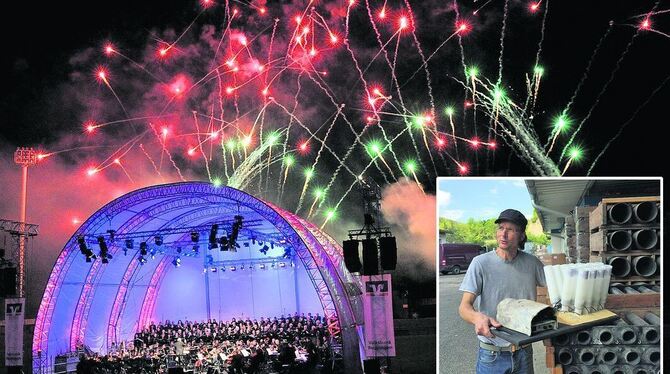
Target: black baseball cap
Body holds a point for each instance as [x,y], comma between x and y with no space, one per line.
[514,216]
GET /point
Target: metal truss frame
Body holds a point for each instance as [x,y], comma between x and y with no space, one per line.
[320,255]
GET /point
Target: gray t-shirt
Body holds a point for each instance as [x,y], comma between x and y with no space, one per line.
[493,279]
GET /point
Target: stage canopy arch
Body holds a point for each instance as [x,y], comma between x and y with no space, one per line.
[160,266]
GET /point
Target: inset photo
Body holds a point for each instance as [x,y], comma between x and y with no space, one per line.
[549,275]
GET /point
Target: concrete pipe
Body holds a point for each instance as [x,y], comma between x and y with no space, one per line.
[607,356]
[630,290]
[605,336]
[645,239]
[621,370]
[587,356]
[565,356]
[653,319]
[620,213]
[584,337]
[616,291]
[650,335]
[600,369]
[625,335]
[631,356]
[634,319]
[562,339]
[620,240]
[644,289]
[572,370]
[645,266]
[645,212]
[621,267]
[651,355]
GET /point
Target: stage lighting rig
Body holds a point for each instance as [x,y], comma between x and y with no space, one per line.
[104,250]
[212,236]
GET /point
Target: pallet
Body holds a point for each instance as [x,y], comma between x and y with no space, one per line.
[598,217]
[633,302]
[603,256]
[653,281]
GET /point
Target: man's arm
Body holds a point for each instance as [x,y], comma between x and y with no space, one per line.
[480,320]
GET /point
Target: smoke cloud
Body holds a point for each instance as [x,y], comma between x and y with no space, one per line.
[411,213]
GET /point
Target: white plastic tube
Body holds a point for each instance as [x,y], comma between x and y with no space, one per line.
[554,296]
[570,274]
[593,291]
[581,288]
[599,273]
[558,279]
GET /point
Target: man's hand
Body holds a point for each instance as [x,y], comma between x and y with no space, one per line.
[482,324]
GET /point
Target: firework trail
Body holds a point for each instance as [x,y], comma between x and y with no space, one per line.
[310,75]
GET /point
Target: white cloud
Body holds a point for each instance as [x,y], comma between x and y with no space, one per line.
[452,214]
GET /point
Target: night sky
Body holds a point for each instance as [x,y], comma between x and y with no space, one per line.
[48,63]
[35,63]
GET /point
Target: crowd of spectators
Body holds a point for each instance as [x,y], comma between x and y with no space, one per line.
[286,344]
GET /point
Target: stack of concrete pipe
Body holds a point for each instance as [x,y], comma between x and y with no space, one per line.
[633,235]
[632,345]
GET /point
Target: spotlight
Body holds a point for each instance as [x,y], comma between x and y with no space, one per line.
[82,245]
[213,269]
[142,260]
[223,241]
[104,255]
[253,240]
[233,268]
[176,262]
[178,249]
[143,248]
[112,234]
[287,252]
[212,236]
[241,267]
[196,249]
[265,250]
[158,239]
[282,265]
[237,225]
[195,236]
[84,249]
[210,259]
[130,243]
[246,244]
[272,245]
[222,269]
[262,266]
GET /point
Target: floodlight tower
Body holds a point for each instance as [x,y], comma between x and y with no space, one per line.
[25,157]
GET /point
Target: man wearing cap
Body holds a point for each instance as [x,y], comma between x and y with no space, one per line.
[492,277]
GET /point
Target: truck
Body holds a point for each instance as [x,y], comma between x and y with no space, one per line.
[456,257]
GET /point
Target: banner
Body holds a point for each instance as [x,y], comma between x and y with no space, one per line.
[378,310]
[14,314]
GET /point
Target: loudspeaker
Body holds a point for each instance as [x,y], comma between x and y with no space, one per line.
[8,282]
[371,366]
[370,265]
[351,260]
[388,252]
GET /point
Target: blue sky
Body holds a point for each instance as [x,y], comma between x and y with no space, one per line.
[463,198]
